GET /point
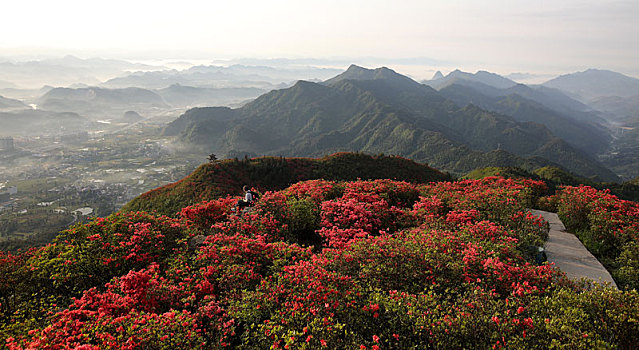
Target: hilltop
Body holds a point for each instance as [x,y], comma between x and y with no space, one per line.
[226,177]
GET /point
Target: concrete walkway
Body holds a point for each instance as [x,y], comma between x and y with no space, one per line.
[569,254]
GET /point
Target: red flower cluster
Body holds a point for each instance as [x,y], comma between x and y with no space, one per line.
[608,226]
[207,213]
[388,265]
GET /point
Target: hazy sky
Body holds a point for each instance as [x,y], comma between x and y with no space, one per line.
[498,35]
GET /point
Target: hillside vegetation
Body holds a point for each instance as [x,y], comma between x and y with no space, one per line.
[379,264]
[556,178]
[227,177]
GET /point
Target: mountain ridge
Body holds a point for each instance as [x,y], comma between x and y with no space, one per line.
[595,83]
[99,101]
[9,103]
[375,111]
[481,76]
[588,136]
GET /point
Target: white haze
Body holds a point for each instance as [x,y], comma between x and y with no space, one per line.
[504,36]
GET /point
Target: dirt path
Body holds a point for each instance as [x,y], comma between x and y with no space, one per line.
[569,254]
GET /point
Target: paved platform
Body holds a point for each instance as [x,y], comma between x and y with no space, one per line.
[569,254]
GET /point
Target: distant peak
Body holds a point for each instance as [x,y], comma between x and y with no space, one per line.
[456,74]
[353,68]
[437,75]
[358,73]
[481,76]
[303,83]
[356,68]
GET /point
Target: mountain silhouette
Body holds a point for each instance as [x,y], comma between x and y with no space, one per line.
[595,83]
[482,77]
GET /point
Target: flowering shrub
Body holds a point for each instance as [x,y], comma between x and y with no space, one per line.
[315,190]
[122,316]
[496,198]
[397,193]
[10,276]
[377,264]
[207,213]
[90,255]
[608,226]
[268,219]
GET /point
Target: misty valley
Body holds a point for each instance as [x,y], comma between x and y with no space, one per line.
[71,153]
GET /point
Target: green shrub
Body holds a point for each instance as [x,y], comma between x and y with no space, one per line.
[303,221]
[628,260]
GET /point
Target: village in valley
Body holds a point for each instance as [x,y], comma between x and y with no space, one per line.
[48,183]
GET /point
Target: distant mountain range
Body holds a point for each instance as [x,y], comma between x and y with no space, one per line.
[96,101]
[525,104]
[482,77]
[584,121]
[623,110]
[616,97]
[8,103]
[64,71]
[221,77]
[31,122]
[595,83]
[379,111]
[93,100]
[178,95]
[614,94]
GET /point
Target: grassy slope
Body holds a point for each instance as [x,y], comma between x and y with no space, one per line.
[227,177]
